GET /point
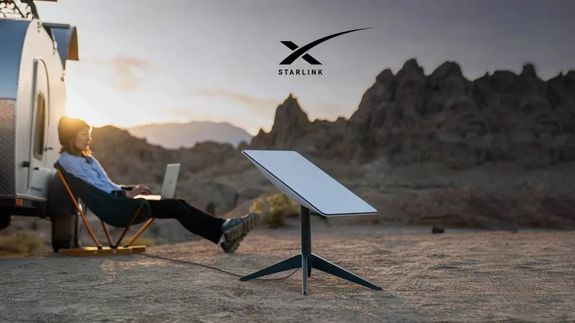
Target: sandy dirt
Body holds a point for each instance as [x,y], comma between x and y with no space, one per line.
[457,276]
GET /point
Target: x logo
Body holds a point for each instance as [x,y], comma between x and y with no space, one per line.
[301,51]
[307,57]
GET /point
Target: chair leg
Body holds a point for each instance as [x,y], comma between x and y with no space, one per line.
[107,233]
[139,233]
[89,228]
[127,227]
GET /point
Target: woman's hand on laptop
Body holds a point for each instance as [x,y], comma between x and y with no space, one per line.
[139,189]
[145,190]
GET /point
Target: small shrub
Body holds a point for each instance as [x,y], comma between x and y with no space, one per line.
[274,209]
[258,206]
[21,242]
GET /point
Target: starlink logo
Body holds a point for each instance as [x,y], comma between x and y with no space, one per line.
[302,52]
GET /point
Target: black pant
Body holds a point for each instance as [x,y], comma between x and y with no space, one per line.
[194,220]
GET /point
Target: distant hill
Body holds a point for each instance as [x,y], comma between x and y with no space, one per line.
[176,135]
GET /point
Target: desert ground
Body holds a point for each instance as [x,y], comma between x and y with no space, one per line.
[457,276]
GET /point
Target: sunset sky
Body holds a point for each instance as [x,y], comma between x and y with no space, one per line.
[181,60]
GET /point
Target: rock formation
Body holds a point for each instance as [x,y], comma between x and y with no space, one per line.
[410,117]
[290,123]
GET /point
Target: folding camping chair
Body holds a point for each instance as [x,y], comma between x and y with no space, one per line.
[114,210]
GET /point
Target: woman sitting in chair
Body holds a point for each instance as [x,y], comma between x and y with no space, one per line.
[76,159]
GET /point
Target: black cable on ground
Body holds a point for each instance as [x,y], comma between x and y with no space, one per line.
[213,268]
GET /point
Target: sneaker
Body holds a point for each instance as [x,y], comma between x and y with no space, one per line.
[234,231]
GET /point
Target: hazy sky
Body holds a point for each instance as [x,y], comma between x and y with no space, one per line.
[180,60]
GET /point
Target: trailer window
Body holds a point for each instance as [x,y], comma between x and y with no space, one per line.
[39,127]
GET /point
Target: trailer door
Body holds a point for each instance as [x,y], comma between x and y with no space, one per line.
[39,172]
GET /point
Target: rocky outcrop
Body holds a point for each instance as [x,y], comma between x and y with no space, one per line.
[290,123]
[411,117]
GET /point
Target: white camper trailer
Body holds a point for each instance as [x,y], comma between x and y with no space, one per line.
[33,59]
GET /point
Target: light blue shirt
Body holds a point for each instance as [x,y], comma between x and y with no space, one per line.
[89,170]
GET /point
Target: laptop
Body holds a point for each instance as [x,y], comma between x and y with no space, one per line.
[169,185]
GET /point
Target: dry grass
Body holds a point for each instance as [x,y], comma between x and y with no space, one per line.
[22,242]
[275,209]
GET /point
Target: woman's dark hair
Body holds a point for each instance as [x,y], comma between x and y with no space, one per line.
[68,129]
